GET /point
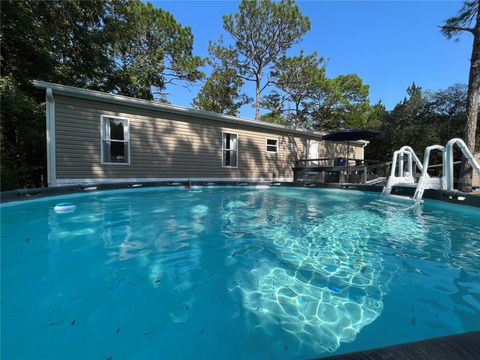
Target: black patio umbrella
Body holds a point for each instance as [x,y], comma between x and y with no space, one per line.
[351,135]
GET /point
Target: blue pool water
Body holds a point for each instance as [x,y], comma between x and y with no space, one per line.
[233,273]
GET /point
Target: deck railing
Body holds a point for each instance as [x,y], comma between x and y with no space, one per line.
[335,170]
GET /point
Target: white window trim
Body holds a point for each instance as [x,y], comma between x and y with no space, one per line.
[50,127]
[102,120]
[276,146]
[236,153]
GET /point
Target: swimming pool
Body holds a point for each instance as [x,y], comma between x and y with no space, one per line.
[233,273]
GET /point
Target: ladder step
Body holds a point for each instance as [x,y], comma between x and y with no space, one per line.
[395,200]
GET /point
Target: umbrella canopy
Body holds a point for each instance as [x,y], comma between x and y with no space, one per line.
[351,135]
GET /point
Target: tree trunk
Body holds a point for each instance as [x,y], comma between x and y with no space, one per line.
[258,80]
[472,108]
[297,114]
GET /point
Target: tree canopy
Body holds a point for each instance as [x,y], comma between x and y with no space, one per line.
[221,93]
[127,47]
[421,119]
[150,49]
[296,80]
[305,97]
[262,31]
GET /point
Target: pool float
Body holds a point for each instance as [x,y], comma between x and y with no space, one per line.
[64,208]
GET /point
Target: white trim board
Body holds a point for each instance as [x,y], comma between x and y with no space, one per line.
[237,142]
[50,133]
[103,138]
[277,145]
[64,182]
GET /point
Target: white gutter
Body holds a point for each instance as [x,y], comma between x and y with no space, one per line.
[50,125]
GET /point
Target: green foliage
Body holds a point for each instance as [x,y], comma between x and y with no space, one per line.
[408,119]
[305,97]
[365,116]
[53,41]
[335,100]
[296,79]
[278,113]
[151,49]
[449,102]
[128,47]
[421,119]
[464,21]
[221,92]
[274,118]
[262,31]
[22,137]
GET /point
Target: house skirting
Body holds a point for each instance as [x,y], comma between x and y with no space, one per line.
[65,182]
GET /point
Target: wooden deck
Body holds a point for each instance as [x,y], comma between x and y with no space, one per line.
[327,171]
[464,346]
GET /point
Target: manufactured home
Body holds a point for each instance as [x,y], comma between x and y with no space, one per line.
[95,137]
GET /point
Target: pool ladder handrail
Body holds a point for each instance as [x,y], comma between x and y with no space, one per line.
[405,177]
[448,165]
[426,181]
[445,182]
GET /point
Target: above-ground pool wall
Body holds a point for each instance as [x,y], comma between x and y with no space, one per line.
[171,146]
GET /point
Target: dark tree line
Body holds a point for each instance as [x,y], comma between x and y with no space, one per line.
[125,47]
[423,118]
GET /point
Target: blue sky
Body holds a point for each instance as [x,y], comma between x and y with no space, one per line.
[389,44]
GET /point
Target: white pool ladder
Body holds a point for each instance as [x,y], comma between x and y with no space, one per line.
[426,181]
[404,178]
[448,164]
[445,182]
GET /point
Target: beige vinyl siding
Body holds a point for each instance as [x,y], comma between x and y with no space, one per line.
[164,145]
[331,149]
[476,178]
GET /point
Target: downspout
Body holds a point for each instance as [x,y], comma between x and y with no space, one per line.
[51,158]
[363,149]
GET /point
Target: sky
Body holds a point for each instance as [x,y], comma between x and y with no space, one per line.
[389,44]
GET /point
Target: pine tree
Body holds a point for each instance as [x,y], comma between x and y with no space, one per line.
[468,21]
[262,30]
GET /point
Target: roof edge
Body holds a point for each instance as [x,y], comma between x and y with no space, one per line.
[114,98]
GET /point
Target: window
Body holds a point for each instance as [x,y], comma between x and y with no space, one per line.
[115,133]
[272,145]
[230,149]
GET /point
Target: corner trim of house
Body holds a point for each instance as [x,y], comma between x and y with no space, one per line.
[363,148]
[65,182]
[50,126]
